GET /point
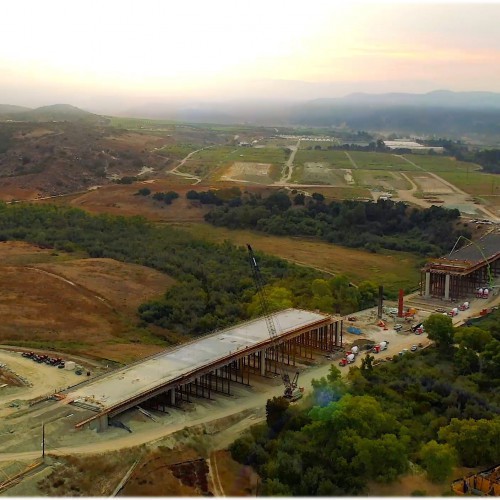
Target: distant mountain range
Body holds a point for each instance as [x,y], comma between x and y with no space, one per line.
[436,98]
[441,112]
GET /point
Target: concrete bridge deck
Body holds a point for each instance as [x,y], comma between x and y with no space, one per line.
[123,388]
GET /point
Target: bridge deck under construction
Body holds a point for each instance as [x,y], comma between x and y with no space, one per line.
[114,392]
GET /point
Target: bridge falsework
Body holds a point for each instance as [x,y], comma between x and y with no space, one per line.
[460,274]
[208,365]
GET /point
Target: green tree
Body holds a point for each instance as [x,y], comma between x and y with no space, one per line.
[275,412]
[368,293]
[438,460]
[382,459]
[367,362]
[241,448]
[473,337]
[476,441]
[466,361]
[275,488]
[490,360]
[329,388]
[299,199]
[345,297]
[322,295]
[440,329]
[278,298]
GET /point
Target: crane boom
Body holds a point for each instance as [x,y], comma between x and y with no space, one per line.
[290,385]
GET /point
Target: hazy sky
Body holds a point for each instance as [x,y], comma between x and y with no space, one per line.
[78,51]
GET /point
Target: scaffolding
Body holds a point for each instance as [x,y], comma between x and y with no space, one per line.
[484,483]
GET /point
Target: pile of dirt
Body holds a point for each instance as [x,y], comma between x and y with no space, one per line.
[10,378]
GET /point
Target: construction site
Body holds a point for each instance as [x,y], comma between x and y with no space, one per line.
[465,271]
[224,377]
[209,365]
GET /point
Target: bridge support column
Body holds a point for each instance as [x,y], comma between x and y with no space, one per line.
[427,292]
[447,287]
[172,396]
[263,362]
[100,424]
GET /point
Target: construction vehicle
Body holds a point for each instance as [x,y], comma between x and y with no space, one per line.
[382,346]
[349,358]
[291,391]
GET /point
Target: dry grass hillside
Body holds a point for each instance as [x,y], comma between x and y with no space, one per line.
[87,306]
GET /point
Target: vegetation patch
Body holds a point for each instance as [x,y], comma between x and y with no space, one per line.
[427,411]
[96,475]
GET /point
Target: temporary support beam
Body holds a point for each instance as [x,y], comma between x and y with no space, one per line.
[427,292]
[447,287]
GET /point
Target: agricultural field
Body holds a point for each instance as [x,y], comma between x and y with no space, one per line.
[277,142]
[428,184]
[259,173]
[336,159]
[394,270]
[141,123]
[380,179]
[380,161]
[258,165]
[207,162]
[320,173]
[474,183]
[434,163]
[308,144]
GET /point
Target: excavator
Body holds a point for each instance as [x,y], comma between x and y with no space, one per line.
[291,391]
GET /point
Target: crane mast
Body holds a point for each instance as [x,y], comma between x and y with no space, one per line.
[290,385]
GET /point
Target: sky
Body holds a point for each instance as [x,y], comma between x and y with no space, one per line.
[122,51]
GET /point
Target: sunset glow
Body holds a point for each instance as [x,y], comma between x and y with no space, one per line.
[217,49]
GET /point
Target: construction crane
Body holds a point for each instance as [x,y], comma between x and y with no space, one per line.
[291,391]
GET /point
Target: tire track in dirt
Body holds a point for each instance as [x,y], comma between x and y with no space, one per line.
[80,288]
[214,476]
[349,157]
